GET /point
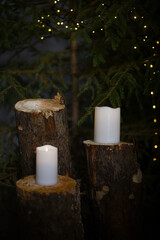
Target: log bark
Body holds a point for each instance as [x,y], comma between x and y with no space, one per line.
[41,122]
[115,182]
[49,212]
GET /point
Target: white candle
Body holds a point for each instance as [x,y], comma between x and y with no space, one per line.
[46,165]
[107,125]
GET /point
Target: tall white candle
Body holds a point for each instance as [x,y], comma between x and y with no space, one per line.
[107,125]
[46,165]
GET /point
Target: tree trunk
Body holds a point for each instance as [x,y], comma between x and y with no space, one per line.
[115,189]
[52,212]
[41,122]
[74,77]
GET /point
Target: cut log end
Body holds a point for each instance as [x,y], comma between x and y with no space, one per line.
[39,105]
[28,185]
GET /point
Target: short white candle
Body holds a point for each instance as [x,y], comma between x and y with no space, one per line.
[107,125]
[46,165]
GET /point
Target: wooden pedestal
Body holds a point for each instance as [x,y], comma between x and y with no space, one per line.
[49,212]
[115,189]
[41,122]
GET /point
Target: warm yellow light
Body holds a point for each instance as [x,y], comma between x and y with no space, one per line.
[154,106]
[42,38]
[155,120]
[93,31]
[48,15]
[66,26]
[61,23]
[42,17]
[81,21]
[154,54]
[156,133]
[101,29]
[155,146]
[38,20]
[58,23]
[154,72]
[144,40]
[58,10]
[43,25]
[49,30]
[55,2]
[146,36]
[71,10]
[157,42]
[151,65]
[154,159]
[135,17]
[102,4]
[152,92]
[115,17]
[145,64]
[142,17]
[75,28]
[145,26]
[135,47]
[153,47]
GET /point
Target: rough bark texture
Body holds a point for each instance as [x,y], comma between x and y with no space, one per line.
[115,189]
[49,212]
[40,122]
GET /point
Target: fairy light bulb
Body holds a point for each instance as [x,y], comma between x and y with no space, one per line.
[81,21]
[102,4]
[101,29]
[154,159]
[144,40]
[48,15]
[155,120]
[152,47]
[43,25]
[155,146]
[146,36]
[76,28]
[49,30]
[38,20]
[66,26]
[42,38]
[77,24]
[145,26]
[58,23]
[135,47]
[115,17]
[55,2]
[61,23]
[152,92]
[157,42]
[154,106]
[58,10]
[42,17]
[135,17]
[145,64]
[71,10]
[151,65]
[93,31]
[155,133]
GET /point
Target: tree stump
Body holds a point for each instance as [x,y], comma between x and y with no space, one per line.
[115,189]
[49,212]
[42,122]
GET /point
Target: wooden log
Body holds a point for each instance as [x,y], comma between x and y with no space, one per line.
[49,212]
[115,189]
[40,122]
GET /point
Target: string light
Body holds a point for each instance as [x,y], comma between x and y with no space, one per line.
[42,38]
[152,92]
[154,159]
[49,30]
[153,47]
[93,31]
[42,17]
[55,2]
[144,40]
[135,17]
[145,26]
[66,26]
[81,21]
[115,17]
[48,15]
[154,106]
[71,10]
[157,42]
[58,23]
[38,20]
[101,29]
[146,36]
[58,10]
[102,4]
[75,28]
[151,65]
[135,47]
[61,23]
[43,25]
[156,133]
[155,120]
[155,146]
